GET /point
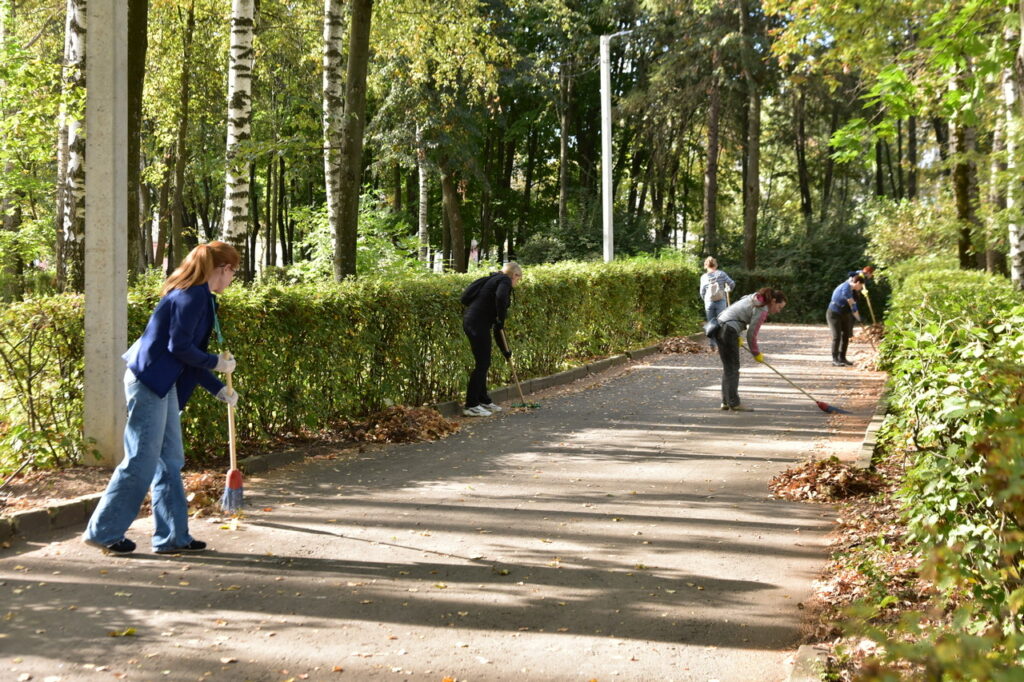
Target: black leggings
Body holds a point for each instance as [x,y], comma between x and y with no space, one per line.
[841,325]
[479,336]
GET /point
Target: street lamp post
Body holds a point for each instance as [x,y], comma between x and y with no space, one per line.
[606,145]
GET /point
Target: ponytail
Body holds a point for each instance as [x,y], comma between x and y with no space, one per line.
[768,295]
[199,264]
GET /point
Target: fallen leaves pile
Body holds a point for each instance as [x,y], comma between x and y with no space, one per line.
[870,561]
[400,425]
[683,344]
[825,480]
[871,333]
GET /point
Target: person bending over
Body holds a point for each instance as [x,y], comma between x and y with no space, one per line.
[841,312]
[485,312]
[748,314]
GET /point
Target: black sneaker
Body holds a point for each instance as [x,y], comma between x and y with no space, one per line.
[122,546]
[192,547]
[846,362]
[838,363]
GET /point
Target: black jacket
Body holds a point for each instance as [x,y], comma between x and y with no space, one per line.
[490,305]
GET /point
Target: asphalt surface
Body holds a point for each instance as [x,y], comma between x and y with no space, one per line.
[621,532]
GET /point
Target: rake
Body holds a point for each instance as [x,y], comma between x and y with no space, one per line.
[522,400]
[823,406]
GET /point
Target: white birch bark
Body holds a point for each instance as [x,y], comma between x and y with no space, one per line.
[424,196]
[73,87]
[333,107]
[1015,236]
[236,179]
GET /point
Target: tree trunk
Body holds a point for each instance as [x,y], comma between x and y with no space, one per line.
[450,199]
[711,168]
[73,257]
[181,145]
[138,43]
[879,174]
[1011,99]
[333,106]
[912,157]
[826,183]
[352,138]
[995,261]
[531,162]
[270,255]
[164,220]
[235,221]
[752,177]
[564,92]
[423,224]
[963,181]
[803,175]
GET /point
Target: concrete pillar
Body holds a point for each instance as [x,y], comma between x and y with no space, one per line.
[106,222]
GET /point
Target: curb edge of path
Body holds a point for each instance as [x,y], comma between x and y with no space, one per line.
[809,660]
[32,524]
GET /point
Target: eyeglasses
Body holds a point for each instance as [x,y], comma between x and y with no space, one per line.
[232,268]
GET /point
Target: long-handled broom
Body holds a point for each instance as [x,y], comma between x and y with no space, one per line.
[871,308]
[522,400]
[231,500]
[823,406]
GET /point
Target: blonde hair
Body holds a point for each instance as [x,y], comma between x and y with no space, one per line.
[710,262]
[512,268]
[199,264]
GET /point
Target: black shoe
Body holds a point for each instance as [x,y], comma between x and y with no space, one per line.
[844,361]
[122,546]
[839,363]
[192,547]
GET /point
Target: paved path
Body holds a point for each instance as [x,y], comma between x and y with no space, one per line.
[623,532]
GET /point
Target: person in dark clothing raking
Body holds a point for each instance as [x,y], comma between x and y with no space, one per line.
[486,300]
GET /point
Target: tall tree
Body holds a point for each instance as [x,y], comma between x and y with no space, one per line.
[235,223]
[333,108]
[353,124]
[138,42]
[71,256]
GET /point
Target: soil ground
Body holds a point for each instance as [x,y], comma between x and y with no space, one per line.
[622,532]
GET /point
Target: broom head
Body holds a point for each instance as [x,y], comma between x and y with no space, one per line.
[231,500]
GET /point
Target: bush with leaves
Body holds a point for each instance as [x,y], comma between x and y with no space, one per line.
[313,355]
[954,350]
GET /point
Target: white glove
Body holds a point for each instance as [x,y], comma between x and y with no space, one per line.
[225,363]
[229,397]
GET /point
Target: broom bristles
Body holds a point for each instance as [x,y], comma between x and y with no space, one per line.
[231,500]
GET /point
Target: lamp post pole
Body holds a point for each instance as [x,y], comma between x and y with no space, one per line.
[606,146]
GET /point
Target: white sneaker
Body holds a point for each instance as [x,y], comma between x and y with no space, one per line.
[490,407]
[475,411]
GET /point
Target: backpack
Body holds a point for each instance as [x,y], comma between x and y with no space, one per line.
[473,290]
[715,291]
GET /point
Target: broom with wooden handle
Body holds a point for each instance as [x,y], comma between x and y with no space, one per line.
[231,500]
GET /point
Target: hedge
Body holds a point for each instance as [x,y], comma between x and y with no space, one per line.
[309,356]
[954,350]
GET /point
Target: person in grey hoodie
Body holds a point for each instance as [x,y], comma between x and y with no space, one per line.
[746,314]
[715,286]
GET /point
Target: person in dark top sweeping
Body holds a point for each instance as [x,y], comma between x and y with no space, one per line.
[486,308]
[841,311]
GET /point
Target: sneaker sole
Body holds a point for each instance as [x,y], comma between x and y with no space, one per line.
[105,549]
[183,550]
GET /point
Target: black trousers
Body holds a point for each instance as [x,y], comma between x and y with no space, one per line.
[479,336]
[729,353]
[841,326]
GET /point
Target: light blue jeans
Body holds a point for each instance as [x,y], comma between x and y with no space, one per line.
[712,310]
[153,458]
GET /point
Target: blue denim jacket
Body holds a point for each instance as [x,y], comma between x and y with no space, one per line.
[172,350]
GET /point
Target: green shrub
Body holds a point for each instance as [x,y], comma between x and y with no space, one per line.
[954,350]
[310,355]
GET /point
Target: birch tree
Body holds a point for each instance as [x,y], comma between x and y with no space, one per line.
[71,253]
[236,178]
[333,103]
